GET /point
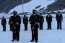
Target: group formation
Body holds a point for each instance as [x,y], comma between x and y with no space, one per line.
[36,21]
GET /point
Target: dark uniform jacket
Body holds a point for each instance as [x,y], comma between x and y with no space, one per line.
[15,21]
[49,18]
[59,17]
[41,19]
[34,20]
[25,20]
[3,22]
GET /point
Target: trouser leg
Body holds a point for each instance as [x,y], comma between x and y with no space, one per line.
[47,26]
[17,36]
[60,25]
[25,26]
[41,26]
[32,34]
[50,26]
[36,37]
[57,25]
[4,27]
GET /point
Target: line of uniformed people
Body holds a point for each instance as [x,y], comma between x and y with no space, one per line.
[35,20]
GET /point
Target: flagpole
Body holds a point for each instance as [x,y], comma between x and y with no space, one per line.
[22,7]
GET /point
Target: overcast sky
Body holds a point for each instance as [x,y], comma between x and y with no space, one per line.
[28,7]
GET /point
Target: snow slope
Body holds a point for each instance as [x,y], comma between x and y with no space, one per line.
[28,7]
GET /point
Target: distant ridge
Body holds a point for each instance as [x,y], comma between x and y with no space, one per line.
[57,5]
[6,5]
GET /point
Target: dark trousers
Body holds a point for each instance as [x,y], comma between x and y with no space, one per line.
[26,26]
[16,34]
[41,26]
[35,35]
[59,26]
[49,26]
[4,27]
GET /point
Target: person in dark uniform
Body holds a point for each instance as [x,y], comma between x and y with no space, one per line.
[15,21]
[41,21]
[18,22]
[11,25]
[25,22]
[34,26]
[3,23]
[49,21]
[59,19]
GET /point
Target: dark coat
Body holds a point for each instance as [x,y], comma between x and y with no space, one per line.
[41,19]
[11,20]
[3,22]
[25,20]
[18,19]
[33,20]
[15,21]
[49,18]
[59,18]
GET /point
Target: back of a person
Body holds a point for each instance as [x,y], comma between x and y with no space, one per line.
[41,19]
[57,16]
[49,18]
[61,17]
[25,20]
[3,21]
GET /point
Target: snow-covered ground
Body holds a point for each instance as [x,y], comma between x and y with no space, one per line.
[45,36]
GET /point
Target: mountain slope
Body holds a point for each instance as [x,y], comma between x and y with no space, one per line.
[57,5]
[6,5]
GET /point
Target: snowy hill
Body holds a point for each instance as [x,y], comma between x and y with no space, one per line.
[28,7]
[7,5]
[57,5]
